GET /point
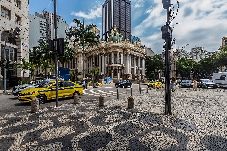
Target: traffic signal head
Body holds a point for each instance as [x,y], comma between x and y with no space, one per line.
[60,46]
[166,4]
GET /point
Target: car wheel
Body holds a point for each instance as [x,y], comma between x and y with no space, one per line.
[42,99]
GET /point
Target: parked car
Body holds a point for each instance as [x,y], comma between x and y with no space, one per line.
[47,92]
[123,84]
[155,84]
[207,83]
[186,84]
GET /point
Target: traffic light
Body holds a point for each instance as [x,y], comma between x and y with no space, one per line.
[60,46]
[166,4]
[51,45]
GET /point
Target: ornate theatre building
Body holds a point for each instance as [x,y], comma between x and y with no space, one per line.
[114,58]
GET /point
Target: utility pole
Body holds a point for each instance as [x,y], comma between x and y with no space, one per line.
[167,36]
[56,49]
[4,77]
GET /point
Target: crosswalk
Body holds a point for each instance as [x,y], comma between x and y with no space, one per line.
[108,92]
[92,92]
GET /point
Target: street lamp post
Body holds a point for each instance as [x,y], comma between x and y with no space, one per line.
[4,77]
[56,49]
[167,36]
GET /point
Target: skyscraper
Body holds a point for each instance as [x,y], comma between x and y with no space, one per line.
[116,13]
[42,27]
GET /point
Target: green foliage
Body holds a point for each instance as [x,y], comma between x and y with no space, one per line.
[83,35]
[153,66]
[185,67]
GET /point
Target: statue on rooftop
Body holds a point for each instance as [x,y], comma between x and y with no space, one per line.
[115,36]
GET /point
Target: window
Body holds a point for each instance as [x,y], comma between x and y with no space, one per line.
[68,84]
[18,3]
[6,13]
[222,77]
[17,20]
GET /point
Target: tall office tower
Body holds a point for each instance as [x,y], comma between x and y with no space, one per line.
[42,27]
[116,13]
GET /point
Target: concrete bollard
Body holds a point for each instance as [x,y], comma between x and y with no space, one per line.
[35,105]
[130,102]
[76,99]
[101,101]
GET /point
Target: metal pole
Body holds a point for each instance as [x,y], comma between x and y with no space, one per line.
[167,70]
[56,51]
[4,77]
[117,94]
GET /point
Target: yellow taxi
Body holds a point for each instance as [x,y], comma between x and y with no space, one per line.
[155,84]
[47,91]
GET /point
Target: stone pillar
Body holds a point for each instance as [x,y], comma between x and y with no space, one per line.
[112,58]
[122,55]
[100,64]
[112,74]
[139,67]
[127,64]
[103,64]
[130,64]
[93,59]
[143,67]
[134,65]
[118,62]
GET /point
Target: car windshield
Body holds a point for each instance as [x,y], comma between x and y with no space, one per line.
[206,80]
[43,84]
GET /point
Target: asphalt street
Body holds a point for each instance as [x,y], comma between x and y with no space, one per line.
[10,103]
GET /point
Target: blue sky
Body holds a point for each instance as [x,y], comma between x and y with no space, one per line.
[200,22]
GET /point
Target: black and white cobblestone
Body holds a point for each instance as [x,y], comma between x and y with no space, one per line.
[199,122]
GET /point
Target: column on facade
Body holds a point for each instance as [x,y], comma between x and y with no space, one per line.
[100,63]
[143,67]
[139,67]
[122,55]
[134,65]
[118,68]
[130,64]
[127,64]
[103,64]
[112,58]
[118,58]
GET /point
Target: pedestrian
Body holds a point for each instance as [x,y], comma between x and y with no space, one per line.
[195,85]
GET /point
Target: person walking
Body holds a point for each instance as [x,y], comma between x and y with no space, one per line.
[195,85]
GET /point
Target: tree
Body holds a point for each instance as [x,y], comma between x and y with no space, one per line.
[186,67]
[26,65]
[154,65]
[83,36]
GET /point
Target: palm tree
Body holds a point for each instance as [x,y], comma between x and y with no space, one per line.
[84,36]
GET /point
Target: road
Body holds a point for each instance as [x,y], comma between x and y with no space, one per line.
[10,103]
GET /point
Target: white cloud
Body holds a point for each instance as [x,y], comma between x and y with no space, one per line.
[92,14]
[201,23]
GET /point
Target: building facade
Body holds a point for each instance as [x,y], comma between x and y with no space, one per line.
[116,13]
[117,58]
[14,14]
[41,27]
[224,41]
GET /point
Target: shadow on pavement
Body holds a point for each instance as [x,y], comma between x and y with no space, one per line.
[22,104]
[214,143]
